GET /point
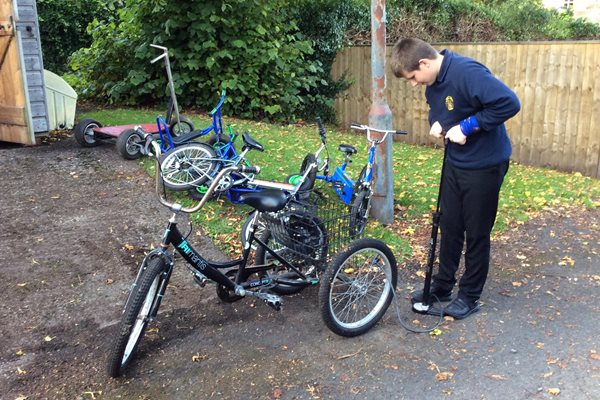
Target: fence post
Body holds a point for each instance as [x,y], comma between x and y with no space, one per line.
[380,116]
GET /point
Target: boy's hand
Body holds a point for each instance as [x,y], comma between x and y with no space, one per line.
[456,135]
[436,130]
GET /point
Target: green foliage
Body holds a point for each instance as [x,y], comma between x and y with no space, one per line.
[564,26]
[482,20]
[63,29]
[325,22]
[521,20]
[252,49]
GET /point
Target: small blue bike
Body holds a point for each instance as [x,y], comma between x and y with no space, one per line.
[356,193]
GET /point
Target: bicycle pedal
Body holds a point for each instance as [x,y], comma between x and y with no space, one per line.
[200,279]
[274,304]
[272,300]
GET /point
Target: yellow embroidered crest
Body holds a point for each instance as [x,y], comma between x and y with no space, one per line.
[449,103]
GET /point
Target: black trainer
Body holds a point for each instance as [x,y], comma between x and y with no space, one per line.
[460,308]
[442,295]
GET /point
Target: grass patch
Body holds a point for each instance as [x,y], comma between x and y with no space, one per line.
[526,192]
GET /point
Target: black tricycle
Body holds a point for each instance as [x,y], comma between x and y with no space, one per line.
[309,238]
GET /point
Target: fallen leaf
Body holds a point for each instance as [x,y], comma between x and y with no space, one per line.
[127,246]
[566,260]
[109,281]
[277,393]
[22,284]
[554,391]
[517,284]
[21,371]
[21,397]
[594,355]
[497,377]
[197,357]
[48,339]
[435,332]
[19,352]
[443,376]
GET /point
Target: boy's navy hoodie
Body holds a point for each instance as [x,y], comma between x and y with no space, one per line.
[465,88]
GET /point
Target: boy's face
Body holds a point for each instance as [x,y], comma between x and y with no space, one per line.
[425,75]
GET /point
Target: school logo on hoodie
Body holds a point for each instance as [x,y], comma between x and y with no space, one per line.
[449,103]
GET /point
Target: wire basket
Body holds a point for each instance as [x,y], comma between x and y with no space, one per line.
[314,227]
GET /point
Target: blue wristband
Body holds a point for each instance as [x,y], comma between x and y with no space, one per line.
[469,125]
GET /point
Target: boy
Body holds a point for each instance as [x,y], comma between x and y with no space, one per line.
[467,106]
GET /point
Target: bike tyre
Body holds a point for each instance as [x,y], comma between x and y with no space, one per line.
[188,166]
[309,182]
[131,328]
[359,212]
[184,126]
[338,291]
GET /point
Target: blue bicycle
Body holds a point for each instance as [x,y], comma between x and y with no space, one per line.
[356,193]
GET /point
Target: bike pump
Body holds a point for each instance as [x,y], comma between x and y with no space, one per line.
[424,307]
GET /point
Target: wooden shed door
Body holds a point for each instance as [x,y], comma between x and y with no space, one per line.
[14,115]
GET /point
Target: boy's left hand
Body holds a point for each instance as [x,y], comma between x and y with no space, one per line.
[455,135]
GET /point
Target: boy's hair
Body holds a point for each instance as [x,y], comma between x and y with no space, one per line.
[406,54]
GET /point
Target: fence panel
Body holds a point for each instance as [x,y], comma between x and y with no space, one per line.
[558,84]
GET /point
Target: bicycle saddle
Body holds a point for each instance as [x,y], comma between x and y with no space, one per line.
[267,200]
[251,143]
[347,148]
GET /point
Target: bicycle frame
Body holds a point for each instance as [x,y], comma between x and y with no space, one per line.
[249,184]
[341,182]
[166,139]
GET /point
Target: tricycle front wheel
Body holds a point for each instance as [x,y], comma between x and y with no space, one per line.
[136,316]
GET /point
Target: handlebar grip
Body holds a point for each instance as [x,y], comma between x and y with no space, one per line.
[250,169]
[355,125]
[401,132]
[321,130]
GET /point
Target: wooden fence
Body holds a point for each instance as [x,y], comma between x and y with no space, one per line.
[558,84]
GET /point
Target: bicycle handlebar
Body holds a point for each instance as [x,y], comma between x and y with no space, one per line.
[221,101]
[159,184]
[360,127]
[163,55]
[322,131]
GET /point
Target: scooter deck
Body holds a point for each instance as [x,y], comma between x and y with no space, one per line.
[115,131]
